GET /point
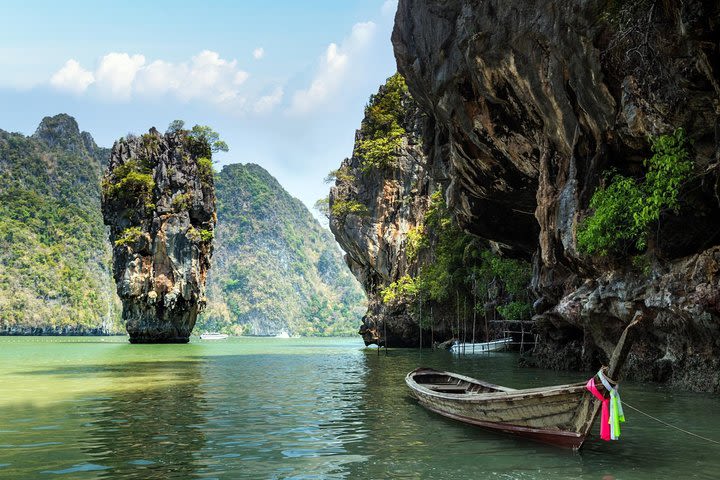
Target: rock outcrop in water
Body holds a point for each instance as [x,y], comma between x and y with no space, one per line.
[159,201]
[371,212]
[532,103]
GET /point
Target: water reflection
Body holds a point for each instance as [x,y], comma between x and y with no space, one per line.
[151,433]
[279,417]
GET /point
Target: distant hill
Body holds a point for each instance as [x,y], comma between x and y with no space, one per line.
[274,267]
[54,257]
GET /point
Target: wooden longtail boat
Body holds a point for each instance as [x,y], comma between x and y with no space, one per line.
[560,415]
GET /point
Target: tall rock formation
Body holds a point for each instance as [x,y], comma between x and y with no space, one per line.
[373,209]
[275,268]
[55,262]
[532,103]
[159,201]
[427,281]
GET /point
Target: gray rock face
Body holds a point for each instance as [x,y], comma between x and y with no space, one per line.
[159,201]
[395,199]
[532,101]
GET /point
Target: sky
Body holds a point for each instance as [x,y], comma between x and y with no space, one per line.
[283,82]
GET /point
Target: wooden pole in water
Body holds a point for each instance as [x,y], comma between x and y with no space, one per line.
[474,311]
[465,336]
[432,328]
[487,330]
[457,313]
[385,334]
[420,320]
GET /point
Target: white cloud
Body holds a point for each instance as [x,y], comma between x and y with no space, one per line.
[120,77]
[72,78]
[258,53]
[389,8]
[333,69]
[266,103]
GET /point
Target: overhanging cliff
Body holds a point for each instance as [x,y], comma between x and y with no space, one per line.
[533,102]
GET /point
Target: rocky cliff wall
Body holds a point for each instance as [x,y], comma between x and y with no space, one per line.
[532,102]
[159,202]
[373,209]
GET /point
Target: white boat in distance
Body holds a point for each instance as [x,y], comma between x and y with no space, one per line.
[283,334]
[493,346]
[213,336]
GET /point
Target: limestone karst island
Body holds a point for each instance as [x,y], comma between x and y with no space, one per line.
[367,239]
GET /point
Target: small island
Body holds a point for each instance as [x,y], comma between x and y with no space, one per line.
[159,202]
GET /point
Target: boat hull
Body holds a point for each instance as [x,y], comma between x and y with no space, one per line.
[559,415]
[213,336]
[560,439]
[485,347]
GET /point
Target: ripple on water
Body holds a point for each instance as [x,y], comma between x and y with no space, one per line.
[39,444]
[82,467]
[46,427]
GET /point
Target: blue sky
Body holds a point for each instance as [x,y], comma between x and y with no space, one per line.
[284,82]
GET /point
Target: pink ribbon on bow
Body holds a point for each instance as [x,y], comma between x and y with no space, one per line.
[605,417]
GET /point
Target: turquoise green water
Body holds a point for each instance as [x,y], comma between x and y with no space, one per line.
[297,408]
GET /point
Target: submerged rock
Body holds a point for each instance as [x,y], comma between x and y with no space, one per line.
[159,202]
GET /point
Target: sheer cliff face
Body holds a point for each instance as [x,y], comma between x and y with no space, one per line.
[532,101]
[159,201]
[394,200]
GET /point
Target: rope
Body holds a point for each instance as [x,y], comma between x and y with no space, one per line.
[625,404]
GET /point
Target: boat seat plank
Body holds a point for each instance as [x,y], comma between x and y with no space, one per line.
[447,388]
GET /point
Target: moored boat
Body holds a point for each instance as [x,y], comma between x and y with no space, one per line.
[484,347]
[213,336]
[560,415]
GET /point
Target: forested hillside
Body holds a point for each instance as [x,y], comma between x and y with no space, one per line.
[275,268]
[55,274]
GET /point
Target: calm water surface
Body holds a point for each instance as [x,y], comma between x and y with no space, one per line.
[298,408]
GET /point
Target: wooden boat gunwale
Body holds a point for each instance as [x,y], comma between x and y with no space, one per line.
[502,393]
[570,435]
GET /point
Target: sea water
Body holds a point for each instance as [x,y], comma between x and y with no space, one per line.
[98,407]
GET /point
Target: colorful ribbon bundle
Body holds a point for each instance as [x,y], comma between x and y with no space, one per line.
[612,412]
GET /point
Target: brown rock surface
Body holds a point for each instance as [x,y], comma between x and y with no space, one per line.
[531,102]
[161,217]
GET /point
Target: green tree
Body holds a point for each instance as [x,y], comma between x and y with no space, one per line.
[323,206]
[176,126]
[382,131]
[210,137]
[624,210]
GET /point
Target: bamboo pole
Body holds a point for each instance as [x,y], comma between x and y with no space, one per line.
[474,311]
[457,313]
[432,329]
[420,321]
